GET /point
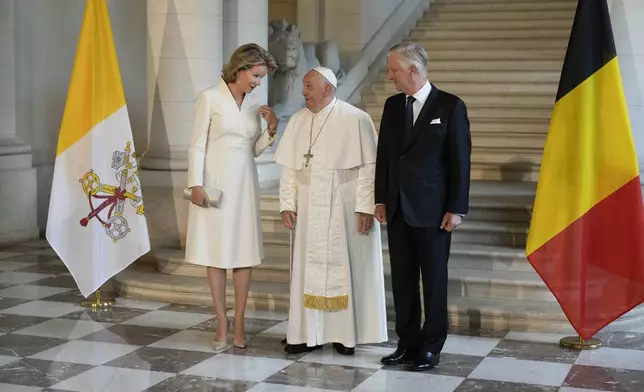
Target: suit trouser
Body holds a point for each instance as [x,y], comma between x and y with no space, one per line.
[416,252]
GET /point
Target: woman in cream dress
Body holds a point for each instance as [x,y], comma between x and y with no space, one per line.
[226,138]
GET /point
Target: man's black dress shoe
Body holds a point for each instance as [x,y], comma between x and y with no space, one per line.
[398,357]
[299,348]
[340,348]
[425,361]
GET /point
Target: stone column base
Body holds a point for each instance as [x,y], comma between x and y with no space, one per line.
[18,193]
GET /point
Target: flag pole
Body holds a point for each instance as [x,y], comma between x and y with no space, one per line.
[577,342]
[99,302]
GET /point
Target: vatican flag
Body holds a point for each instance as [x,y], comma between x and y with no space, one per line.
[96,222]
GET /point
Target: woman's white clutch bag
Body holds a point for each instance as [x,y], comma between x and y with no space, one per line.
[214,195]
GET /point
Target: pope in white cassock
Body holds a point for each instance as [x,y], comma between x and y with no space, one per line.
[328,156]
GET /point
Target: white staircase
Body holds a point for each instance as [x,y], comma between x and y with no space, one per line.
[503,58]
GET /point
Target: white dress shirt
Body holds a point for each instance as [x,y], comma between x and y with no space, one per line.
[420,96]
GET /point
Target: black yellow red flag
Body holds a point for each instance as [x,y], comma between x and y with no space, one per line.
[586,233]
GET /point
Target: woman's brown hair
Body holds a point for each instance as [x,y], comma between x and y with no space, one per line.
[246,57]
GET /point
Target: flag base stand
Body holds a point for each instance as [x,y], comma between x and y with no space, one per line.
[99,302]
[577,343]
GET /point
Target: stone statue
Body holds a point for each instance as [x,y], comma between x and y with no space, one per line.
[295,58]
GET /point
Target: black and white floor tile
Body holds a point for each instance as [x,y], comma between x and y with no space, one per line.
[49,343]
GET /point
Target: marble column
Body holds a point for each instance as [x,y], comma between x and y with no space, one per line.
[184,56]
[18,208]
[628,30]
[246,21]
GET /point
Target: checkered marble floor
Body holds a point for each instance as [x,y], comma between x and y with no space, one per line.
[49,343]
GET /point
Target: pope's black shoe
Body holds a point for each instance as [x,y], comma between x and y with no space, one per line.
[425,361]
[299,348]
[398,357]
[342,349]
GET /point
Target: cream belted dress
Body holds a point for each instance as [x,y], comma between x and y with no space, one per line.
[225,141]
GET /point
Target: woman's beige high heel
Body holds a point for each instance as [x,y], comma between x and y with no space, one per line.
[218,345]
[222,344]
[239,343]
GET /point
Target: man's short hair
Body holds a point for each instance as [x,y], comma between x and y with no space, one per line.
[412,53]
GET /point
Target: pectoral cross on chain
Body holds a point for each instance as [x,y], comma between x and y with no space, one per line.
[308,156]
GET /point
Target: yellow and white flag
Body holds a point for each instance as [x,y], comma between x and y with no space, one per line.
[96,222]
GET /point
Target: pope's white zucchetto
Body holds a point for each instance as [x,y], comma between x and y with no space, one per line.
[328,75]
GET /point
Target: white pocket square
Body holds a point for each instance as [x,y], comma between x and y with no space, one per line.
[436,121]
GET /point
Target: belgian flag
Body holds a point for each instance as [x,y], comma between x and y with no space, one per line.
[586,234]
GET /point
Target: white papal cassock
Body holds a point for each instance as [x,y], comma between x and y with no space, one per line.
[337,286]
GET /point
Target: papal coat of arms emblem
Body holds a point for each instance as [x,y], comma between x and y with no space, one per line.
[114,198]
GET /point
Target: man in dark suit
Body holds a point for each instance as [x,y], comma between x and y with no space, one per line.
[421,191]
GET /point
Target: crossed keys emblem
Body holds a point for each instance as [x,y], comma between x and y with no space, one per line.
[114,197]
